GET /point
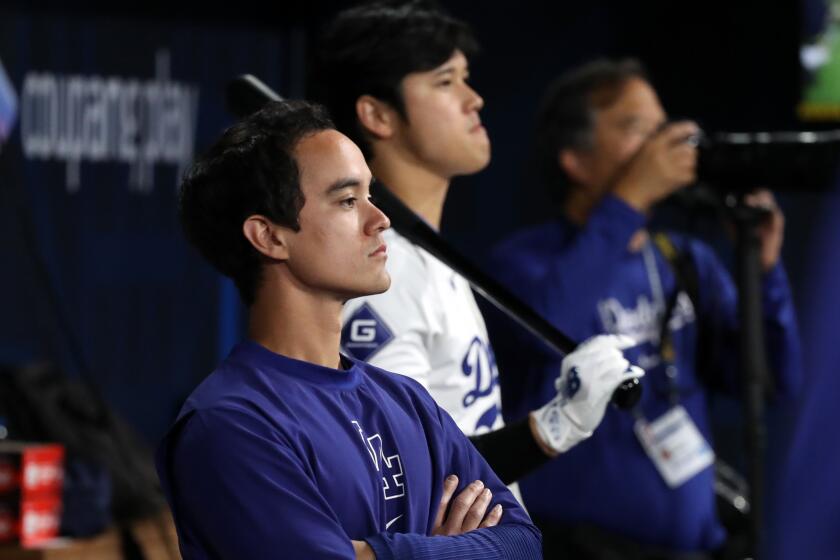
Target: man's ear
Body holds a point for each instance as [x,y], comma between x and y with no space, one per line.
[375,116]
[267,237]
[572,164]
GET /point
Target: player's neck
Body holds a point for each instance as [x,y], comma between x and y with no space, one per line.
[579,204]
[297,323]
[418,187]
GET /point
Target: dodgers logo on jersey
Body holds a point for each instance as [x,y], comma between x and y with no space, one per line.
[644,324]
[365,333]
[644,321]
[480,364]
[391,470]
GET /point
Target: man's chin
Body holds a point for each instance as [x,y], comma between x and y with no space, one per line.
[478,163]
[378,287]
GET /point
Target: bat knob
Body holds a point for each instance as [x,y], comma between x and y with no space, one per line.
[627,395]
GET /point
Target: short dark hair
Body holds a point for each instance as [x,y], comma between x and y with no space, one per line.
[369,49]
[250,170]
[567,112]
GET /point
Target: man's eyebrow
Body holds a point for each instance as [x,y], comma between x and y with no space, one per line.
[444,70]
[344,183]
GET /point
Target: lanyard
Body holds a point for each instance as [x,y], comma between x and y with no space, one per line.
[667,351]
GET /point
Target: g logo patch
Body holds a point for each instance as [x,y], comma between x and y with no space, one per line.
[364,333]
[362,330]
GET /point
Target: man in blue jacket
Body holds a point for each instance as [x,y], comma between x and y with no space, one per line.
[289,449]
[642,486]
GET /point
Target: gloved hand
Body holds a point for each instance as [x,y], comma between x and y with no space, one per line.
[588,378]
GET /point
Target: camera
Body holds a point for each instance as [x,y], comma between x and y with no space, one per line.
[736,162]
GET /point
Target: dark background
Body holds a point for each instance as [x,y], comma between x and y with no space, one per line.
[101,281]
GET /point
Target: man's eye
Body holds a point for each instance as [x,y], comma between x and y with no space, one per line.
[444,83]
[348,202]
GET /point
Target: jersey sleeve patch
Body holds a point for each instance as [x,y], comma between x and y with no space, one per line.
[365,333]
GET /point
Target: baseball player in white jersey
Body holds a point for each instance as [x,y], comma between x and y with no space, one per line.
[395,81]
[427,326]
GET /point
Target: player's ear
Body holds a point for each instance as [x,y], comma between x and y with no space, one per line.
[375,116]
[267,237]
[572,162]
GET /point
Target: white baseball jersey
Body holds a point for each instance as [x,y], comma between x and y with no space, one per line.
[427,326]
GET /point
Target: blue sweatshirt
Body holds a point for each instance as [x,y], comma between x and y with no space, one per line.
[273,457]
[585,281]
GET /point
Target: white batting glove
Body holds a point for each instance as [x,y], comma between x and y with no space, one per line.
[588,378]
